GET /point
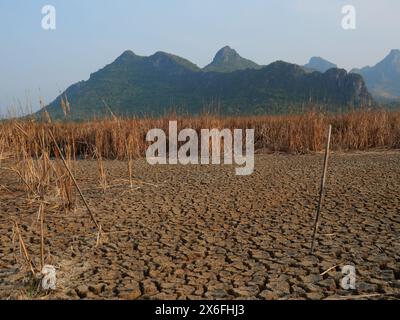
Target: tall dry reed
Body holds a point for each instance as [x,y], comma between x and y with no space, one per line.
[125,138]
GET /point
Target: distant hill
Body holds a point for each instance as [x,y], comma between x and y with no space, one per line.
[228,60]
[383,79]
[319,64]
[137,85]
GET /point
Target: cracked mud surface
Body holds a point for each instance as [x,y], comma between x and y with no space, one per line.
[200,232]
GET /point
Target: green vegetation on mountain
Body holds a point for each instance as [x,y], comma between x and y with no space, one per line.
[155,85]
[228,60]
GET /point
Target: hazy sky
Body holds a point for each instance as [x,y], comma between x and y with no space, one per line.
[92,33]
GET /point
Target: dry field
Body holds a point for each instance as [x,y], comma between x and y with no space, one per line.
[200,232]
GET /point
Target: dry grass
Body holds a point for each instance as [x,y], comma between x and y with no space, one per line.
[125,138]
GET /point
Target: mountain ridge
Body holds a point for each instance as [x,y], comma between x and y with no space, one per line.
[383,79]
[133,85]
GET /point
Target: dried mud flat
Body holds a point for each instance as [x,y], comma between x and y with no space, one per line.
[200,232]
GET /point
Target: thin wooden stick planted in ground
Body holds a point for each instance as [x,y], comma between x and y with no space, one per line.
[41,213]
[128,148]
[322,189]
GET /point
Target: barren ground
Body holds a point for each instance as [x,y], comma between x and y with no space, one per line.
[200,232]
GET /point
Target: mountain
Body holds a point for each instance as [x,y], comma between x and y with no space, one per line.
[319,64]
[383,79]
[228,60]
[154,85]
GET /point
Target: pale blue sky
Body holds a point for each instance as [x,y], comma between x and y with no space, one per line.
[92,33]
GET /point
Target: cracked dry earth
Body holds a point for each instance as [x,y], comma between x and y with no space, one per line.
[200,232]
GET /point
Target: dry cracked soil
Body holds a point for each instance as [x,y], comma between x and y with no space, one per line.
[201,232]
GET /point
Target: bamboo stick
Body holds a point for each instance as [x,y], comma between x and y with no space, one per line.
[322,189]
[41,212]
